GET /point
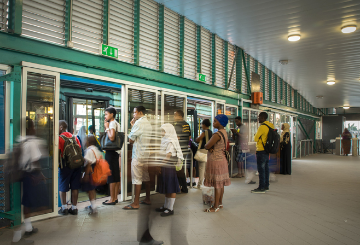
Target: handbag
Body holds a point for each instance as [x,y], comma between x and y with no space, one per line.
[227,154]
[107,144]
[201,154]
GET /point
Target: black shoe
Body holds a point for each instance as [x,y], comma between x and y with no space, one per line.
[267,189]
[63,211]
[109,203]
[29,233]
[73,211]
[252,182]
[258,190]
[161,209]
[116,201]
[168,213]
[188,184]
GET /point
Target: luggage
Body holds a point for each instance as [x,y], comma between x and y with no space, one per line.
[208,195]
[72,153]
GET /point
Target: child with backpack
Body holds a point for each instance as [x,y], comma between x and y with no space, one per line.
[92,156]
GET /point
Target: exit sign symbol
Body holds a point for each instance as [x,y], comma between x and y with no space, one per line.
[109,51]
[202,77]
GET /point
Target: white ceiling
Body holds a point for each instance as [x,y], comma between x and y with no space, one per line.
[261,28]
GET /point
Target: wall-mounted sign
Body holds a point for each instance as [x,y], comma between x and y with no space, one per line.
[109,51]
[202,77]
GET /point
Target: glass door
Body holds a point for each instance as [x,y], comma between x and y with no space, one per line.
[40,100]
[253,124]
[231,113]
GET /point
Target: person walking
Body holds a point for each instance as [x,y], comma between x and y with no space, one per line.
[285,150]
[217,171]
[203,140]
[240,136]
[168,183]
[346,141]
[112,156]
[262,157]
[140,138]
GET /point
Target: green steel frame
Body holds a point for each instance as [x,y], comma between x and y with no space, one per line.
[281,91]
[15,17]
[263,82]
[198,47]
[213,58]
[276,89]
[247,71]
[182,44]
[226,54]
[136,32]
[270,86]
[239,60]
[15,118]
[291,97]
[68,24]
[256,66]
[307,134]
[286,94]
[161,37]
[295,99]
[106,22]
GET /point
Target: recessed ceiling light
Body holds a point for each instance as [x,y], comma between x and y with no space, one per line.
[330,82]
[348,29]
[319,96]
[294,38]
[346,107]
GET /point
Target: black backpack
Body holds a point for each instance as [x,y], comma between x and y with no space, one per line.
[72,153]
[12,164]
[273,141]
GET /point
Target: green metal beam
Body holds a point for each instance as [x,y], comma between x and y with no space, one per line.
[68,22]
[136,32]
[263,82]
[161,37]
[281,91]
[270,86]
[276,89]
[303,128]
[256,66]
[182,45]
[106,22]
[290,96]
[295,99]
[286,93]
[213,58]
[246,66]
[226,49]
[198,48]
[15,16]
[238,58]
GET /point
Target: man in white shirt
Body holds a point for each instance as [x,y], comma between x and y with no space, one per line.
[140,138]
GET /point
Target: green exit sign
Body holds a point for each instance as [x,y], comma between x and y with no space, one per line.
[109,51]
[202,77]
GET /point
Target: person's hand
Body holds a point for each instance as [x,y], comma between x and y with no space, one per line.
[211,150]
[106,124]
[132,122]
[233,130]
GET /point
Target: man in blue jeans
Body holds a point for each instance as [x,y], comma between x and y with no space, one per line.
[262,157]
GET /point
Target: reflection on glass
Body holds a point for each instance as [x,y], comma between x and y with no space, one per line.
[202,109]
[245,119]
[231,114]
[219,109]
[40,96]
[277,122]
[253,124]
[271,118]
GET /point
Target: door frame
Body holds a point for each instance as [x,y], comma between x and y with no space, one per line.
[24,76]
[7,109]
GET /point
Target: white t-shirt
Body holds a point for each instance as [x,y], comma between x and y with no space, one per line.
[115,125]
[31,153]
[91,154]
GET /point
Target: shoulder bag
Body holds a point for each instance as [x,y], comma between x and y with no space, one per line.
[107,144]
[227,154]
[201,154]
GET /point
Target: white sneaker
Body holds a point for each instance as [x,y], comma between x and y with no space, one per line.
[23,242]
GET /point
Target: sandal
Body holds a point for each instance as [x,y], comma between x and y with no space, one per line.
[221,206]
[208,210]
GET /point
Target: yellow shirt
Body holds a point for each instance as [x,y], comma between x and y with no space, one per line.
[261,135]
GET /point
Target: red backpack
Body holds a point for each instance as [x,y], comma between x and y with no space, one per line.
[101,172]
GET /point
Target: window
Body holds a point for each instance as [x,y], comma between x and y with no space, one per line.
[206,55]
[171,42]
[121,28]
[44,20]
[190,50]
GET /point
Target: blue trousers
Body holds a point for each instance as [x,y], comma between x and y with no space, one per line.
[262,159]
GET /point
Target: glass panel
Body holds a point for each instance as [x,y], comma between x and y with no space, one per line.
[287,120]
[219,109]
[231,114]
[148,100]
[245,119]
[277,122]
[40,108]
[171,104]
[283,119]
[2,115]
[202,109]
[271,118]
[253,124]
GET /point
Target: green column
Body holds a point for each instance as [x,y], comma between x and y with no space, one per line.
[256,66]
[68,24]
[239,69]
[282,90]
[136,32]
[286,94]
[198,48]
[270,85]
[290,96]
[295,99]
[182,44]
[15,16]
[276,89]
[106,22]
[213,58]
[246,66]
[226,49]
[263,82]
[161,37]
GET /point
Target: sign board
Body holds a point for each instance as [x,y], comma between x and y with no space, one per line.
[202,77]
[109,51]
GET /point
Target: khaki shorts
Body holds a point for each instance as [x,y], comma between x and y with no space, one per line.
[139,172]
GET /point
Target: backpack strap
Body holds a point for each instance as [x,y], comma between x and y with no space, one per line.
[223,139]
[268,132]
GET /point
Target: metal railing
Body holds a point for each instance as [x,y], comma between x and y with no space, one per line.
[306,147]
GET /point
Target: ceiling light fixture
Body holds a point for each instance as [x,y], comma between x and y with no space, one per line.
[330,82]
[319,97]
[348,29]
[346,107]
[284,62]
[294,38]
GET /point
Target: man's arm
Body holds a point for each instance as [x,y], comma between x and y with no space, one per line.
[136,131]
[259,133]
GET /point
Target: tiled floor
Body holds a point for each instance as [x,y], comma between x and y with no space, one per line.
[318,204]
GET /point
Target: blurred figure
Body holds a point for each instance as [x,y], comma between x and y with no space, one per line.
[69,179]
[112,156]
[82,137]
[217,171]
[184,135]
[168,183]
[203,140]
[240,136]
[140,138]
[285,150]
[91,155]
[91,130]
[346,141]
[262,157]
[34,189]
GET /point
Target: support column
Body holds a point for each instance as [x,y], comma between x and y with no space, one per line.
[256,66]
[286,94]
[276,89]
[226,49]
[247,69]
[161,37]
[270,86]
[263,82]
[295,99]
[15,16]
[213,58]
[106,22]
[239,69]
[68,22]
[136,32]
[182,44]
[198,48]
